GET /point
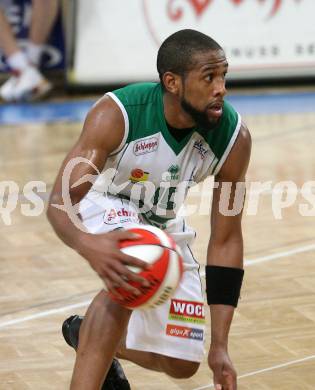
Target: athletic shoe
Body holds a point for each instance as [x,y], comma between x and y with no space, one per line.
[115,379]
[31,85]
[26,86]
[7,89]
[70,330]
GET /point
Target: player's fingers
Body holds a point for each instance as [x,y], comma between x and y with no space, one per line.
[129,275]
[229,380]
[122,235]
[217,377]
[133,261]
[111,287]
[120,282]
[137,278]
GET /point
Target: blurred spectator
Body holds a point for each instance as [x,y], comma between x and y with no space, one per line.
[26,82]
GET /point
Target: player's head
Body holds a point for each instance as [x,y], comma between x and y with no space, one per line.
[192,66]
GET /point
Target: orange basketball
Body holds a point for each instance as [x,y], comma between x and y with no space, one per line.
[158,249]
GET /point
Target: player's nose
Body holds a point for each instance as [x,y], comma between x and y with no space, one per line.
[219,87]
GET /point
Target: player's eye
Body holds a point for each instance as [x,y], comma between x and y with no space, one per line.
[209,77]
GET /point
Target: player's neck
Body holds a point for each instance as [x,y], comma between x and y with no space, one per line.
[174,114]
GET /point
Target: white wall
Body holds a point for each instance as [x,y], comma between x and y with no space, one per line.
[117,40]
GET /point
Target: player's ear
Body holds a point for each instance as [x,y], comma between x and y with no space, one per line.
[172,82]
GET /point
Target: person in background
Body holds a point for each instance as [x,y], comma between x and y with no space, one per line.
[26,82]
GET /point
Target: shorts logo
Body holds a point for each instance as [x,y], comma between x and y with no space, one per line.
[120,215]
[146,146]
[184,332]
[138,175]
[187,311]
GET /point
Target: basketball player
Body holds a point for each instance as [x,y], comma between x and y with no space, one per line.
[177,133]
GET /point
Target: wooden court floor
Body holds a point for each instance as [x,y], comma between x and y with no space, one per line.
[272,340]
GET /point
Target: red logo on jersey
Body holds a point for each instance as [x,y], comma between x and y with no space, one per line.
[187,311]
[120,215]
[187,308]
[138,175]
[148,145]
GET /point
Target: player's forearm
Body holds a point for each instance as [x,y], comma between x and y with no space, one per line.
[221,319]
[65,229]
[229,256]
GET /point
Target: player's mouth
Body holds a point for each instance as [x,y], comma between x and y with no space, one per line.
[215,109]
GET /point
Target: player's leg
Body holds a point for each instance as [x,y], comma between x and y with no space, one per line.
[176,368]
[8,43]
[168,339]
[44,15]
[101,331]
[27,83]
[96,324]
[116,378]
[31,84]
[16,59]
[99,337]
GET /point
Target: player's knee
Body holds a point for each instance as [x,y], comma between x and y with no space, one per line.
[101,304]
[180,369]
[93,326]
[99,299]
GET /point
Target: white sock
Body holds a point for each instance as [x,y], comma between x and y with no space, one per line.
[34,53]
[18,61]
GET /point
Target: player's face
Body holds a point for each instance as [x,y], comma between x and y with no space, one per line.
[204,88]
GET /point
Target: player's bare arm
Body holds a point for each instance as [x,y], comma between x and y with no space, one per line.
[225,251]
[102,133]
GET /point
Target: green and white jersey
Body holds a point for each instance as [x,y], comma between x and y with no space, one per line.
[153,169]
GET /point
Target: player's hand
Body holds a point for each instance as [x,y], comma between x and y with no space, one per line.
[105,257]
[224,374]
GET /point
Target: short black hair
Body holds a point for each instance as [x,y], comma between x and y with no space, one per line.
[176,54]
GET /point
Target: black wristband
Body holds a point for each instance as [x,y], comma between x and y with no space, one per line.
[223,285]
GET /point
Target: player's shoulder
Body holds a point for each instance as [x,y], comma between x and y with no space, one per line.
[137,94]
[236,163]
[244,136]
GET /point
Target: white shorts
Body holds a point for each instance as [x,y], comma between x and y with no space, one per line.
[176,328]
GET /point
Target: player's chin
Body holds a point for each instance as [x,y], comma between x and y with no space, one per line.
[214,115]
[213,121]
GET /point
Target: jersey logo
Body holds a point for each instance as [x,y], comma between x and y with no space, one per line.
[146,146]
[137,175]
[173,171]
[184,332]
[120,215]
[201,149]
[187,311]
